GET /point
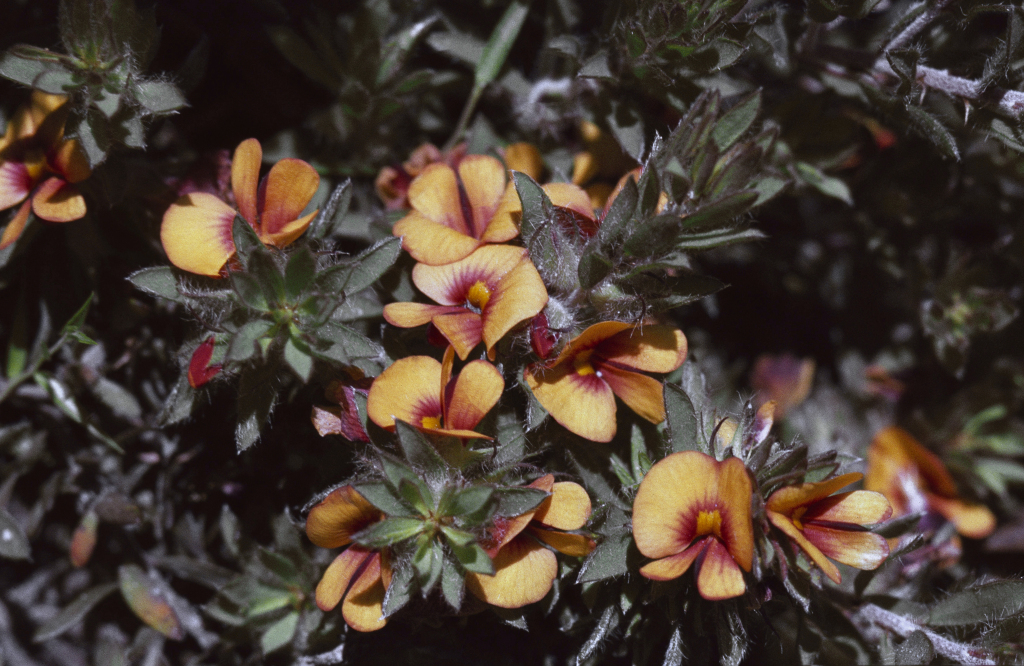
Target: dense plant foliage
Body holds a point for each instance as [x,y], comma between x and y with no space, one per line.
[639,332]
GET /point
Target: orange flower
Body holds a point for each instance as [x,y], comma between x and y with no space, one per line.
[785,379]
[481,297]
[829,526]
[357,577]
[913,479]
[455,213]
[692,507]
[601,162]
[196,229]
[524,569]
[525,158]
[34,152]
[392,182]
[579,389]
[422,392]
[573,210]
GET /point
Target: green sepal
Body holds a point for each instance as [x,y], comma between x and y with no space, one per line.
[299,273]
[518,500]
[389,532]
[473,558]
[242,345]
[384,498]
[419,451]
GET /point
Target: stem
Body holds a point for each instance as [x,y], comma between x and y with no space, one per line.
[467,113]
[32,369]
[962,653]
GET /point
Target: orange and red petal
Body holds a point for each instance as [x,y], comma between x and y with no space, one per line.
[339,575]
[477,390]
[450,284]
[583,404]
[860,550]
[859,507]
[568,507]
[574,545]
[719,576]
[785,500]
[407,390]
[590,338]
[483,180]
[520,295]
[643,395]
[410,315]
[435,194]
[16,226]
[431,242]
[245,178]
[364,610]
[288,233]
[813,553]
[56,200]
[573,197]
[70,161]
[15,183]
[646,348]
[974,521]
[524,157]
[288,189]
[524,574]
[333,521]
[894,448]
[673,566]
[462,329]
[196,233]
[504,224]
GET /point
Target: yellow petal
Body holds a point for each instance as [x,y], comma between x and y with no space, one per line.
[568,508]
[196,233]
[364,610]
[584,168]
[813,553]
[786,499]
[719,576]
[16,226]
[590,338]
[245,178]
[574,545]
[526,158]
[673,566]
[641,393]
[407,390]
[71,162]
[477,390]
[435,194]
[520,295]
[974,521]
[504,224]
[573,197]
[860,507]
[410,315]
[483,179]
[524,573]
[431,242]
[447,363]
[463,330]
[333,521]
[583,404]
[336,579]
[290,186]
[861,550]
[56,200]
[450,284]
[289,232]
[646,348]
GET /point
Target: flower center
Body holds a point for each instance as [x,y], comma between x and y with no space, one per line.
[431,422]
[581,363]
[478,295]
[35,164]
[797,517]
[709,522]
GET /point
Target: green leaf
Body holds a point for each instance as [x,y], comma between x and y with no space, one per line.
[298,358]
[24,65]
[418,450]
[681,420]
[452,583]
[146,599]
[721,212]
[17,345]
[915,649]
[385,499]
[411,495]
[159,97]
[473,558]
[243,344]
[982,604]
[301,55]
[371,264]
[333,213]
[737,120]
[471,500]
[537,207]
[263,268]
[93,135]
[827,185]
[713,239]
[78,319]
[518,500]
[249,291]
[457,537]
[58,80]
[607,560]
[347,344]
[652,235]
[279,565]
[498,46]
[933,130]
[593,268]
[245,239]
[13,541]
[299,273]
[389,532]
[158,281]
[399,592]
[73,613]
[280,633]
[615,221]
[256,396]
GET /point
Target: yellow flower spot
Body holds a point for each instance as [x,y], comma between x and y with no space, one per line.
[709,522]
[35,164]
[431,422]
[582,363]
[478,295]
[797,517]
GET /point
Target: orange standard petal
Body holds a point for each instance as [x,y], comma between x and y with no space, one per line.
[333,521]
[196,233]
[581,403]
[363,608]
[288,189]
[16,226]
[474,392]
[526,158]
[70,162]
[646,348]
[643,395]
[245,178]
[56,200]
[524,574]
[408,391]
[690,495]
[568,508]
[483,181]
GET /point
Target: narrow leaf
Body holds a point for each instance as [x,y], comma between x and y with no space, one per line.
[73,613]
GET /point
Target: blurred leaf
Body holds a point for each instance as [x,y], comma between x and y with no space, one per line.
[13,541]
[596,67]
[204,573]
[737,120]
[280,633]
[607,560]
[397,50]
[982,604]
[933,130]
[459,46]
[496,50]
[117,398]
[256,396]
[301,55]
[24,64]
[158,281]
[159,97]
[827,185]
[148,602]
[73,613]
